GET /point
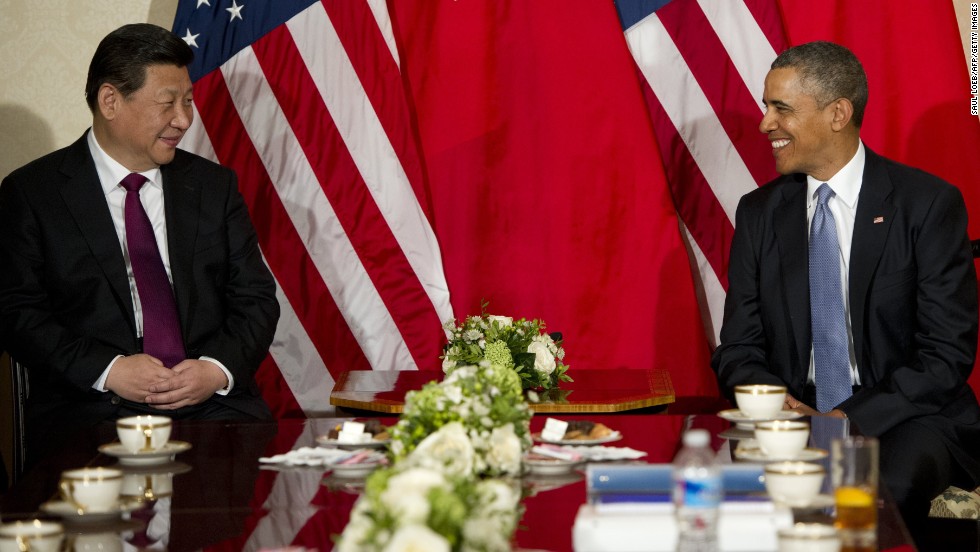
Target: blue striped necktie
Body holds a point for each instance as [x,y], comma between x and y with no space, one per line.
[832,367]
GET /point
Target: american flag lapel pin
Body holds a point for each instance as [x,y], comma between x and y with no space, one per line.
[878,220]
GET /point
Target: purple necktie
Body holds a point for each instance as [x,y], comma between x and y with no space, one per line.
[161,326]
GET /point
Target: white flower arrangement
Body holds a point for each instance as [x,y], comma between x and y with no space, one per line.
[519,344]
[477,408]
[430,501]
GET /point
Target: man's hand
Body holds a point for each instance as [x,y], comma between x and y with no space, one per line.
[792,403]
[193,382]
[132,376]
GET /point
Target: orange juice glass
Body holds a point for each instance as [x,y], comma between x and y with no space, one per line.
[854,475]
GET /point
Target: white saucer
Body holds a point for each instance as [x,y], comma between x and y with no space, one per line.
[326,441]
[612,437]
[70,513]
[169,467]
[746,422]
[163,455]
[818,502]
[362,469]
[736,433]
[552,466]
[756,455]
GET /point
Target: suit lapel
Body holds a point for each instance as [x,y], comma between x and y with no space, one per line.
[85,199]
[182,204]
[789,221]
[872,221]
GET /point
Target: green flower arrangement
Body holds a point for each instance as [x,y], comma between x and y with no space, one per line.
[502,341]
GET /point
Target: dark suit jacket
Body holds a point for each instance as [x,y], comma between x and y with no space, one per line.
[65,304]
[913,302]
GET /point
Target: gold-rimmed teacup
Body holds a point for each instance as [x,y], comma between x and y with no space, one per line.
[91,490]
[782,439]
[147,433]
[794,482]
[760,401]
[33,535]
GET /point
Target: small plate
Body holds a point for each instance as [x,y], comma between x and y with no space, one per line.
[818,502]
[70,513]
[169,467]
[612,437]
[326,441]
[350,471]
[745,422]
[756,455]
[164,455]
[552,466]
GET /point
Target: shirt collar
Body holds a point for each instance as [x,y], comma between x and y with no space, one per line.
[111,172]
[846,184]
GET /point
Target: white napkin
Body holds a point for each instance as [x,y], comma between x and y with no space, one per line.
[598,453]
[319,456]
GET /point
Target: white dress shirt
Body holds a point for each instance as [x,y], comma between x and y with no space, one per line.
[846,185]
[111,173]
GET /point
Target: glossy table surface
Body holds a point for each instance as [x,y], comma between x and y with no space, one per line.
[593,391]
[222,500]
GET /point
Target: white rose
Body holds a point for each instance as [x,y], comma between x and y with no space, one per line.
[448,450]
[504,454]
[406,493]
[502,321]
[544,361]
[417,538]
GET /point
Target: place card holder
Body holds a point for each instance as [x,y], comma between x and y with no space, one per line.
[611,483]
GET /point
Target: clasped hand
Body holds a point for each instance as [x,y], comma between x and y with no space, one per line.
[144,378]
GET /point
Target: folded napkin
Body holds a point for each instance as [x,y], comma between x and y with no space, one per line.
[598,453]
[319,456]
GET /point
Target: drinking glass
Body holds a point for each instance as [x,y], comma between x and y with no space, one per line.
[854,476]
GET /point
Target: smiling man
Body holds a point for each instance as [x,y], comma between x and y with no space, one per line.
[132,282]
[851,282]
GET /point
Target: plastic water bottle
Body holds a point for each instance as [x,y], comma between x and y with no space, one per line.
[697,494]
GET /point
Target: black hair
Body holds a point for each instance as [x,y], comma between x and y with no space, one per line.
[828,71]
[124,54]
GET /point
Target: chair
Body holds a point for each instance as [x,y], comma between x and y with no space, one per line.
[19,390]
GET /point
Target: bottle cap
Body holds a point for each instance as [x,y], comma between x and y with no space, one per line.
[697,438]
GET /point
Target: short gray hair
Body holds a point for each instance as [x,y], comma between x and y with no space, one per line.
[828,71]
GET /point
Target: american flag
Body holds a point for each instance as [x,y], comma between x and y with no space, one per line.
[702,65]
[304,100]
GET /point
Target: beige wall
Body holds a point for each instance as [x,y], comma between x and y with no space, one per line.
[46,47]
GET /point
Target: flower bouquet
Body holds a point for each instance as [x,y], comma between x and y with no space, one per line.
[409,507]
[521,345]
[475,418]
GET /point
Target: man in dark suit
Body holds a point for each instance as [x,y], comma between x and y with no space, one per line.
[73,307]
[907,283]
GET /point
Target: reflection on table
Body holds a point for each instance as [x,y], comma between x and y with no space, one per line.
[220,499]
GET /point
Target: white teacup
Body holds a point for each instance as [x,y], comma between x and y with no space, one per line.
[96,542]
[760,401]
[35,535]
[782,438]
[147,486]
[143,433]
[91,490]
[794,482]
[809,537]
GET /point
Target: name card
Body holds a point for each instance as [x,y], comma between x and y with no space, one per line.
[554,430]
[351,432]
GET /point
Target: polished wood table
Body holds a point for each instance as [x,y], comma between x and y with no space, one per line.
[593,391]
[222,500]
